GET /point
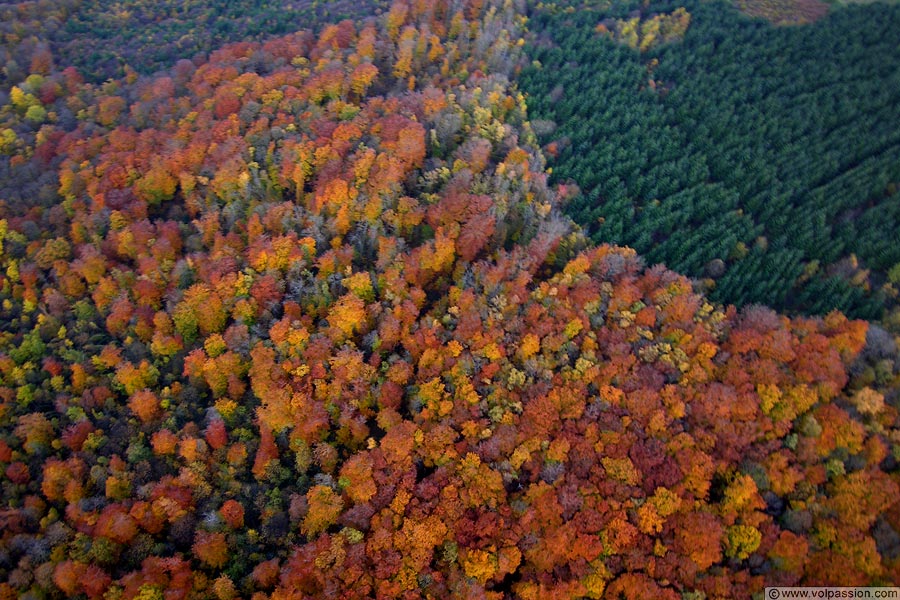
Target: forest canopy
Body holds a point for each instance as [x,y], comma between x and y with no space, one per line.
[305,319]
[762,159]
[106,40]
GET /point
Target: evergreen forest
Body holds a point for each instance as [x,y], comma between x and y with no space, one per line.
[762,159]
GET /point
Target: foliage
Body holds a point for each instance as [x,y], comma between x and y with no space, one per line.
[762,160]
[358,352]
[106,41]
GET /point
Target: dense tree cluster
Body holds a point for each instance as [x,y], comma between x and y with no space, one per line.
[304,321]
[645,33]
[764,159]
[108,40]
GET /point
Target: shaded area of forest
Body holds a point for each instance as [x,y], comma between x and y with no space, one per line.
[104,39]
[762,159]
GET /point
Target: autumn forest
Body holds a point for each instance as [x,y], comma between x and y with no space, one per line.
[447,299]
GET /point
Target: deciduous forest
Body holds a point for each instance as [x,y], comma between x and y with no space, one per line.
[467,298]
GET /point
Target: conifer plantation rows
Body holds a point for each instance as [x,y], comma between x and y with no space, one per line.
[765,159]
